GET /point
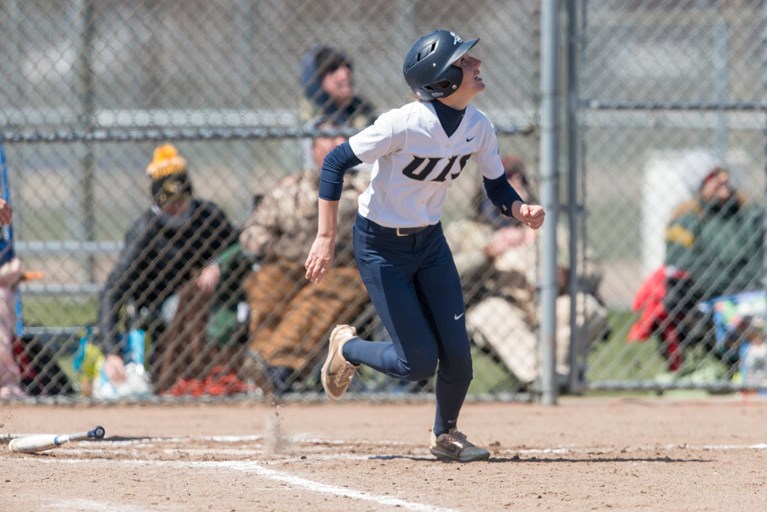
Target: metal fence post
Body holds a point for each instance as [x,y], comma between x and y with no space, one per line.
[549,195]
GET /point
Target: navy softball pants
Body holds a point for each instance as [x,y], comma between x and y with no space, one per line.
[414,285]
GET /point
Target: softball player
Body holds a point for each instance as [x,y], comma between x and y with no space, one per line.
[416,151]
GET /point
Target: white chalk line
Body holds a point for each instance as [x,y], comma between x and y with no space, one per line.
[271,474]
[282,458]
[300,438]
[605,450]
[95,506]
[308,439]
[311,440]
[132,447]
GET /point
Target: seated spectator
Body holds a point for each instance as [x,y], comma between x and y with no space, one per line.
[713,248]
[496,257]
[290,318]
[10,274]
[165,276]
[327,79]
[753,354]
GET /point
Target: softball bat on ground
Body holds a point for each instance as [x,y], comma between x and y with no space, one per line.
[41,442]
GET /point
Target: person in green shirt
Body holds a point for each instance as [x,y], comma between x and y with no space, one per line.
[713,247]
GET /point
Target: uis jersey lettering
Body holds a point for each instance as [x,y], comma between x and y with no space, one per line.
[415,162]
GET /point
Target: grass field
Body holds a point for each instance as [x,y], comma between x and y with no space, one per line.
[59,311]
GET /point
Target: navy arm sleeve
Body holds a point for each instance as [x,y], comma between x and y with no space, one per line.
[501,194]
[336,163]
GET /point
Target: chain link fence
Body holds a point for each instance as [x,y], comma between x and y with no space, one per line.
[90,89]
[656,93]
[666,92]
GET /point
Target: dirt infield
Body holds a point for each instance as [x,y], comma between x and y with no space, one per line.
[584,454]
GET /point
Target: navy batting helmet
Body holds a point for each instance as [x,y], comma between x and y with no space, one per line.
[428,65]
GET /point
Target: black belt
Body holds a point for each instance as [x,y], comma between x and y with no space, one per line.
[371,226]
[408,231]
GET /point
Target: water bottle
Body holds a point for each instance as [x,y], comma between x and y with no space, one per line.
[135,347]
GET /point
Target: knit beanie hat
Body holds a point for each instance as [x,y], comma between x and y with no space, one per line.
[318,62]
[167,171]
[327,60]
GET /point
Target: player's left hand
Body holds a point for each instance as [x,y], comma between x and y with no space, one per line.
[532,215]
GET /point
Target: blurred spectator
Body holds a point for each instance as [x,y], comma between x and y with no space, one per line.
[753,354]
[713,248]
[497,259]
[290,317]
[10,274]
[327,79]
[6,212]
[165,276]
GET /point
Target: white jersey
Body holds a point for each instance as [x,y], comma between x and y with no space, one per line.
[415,162]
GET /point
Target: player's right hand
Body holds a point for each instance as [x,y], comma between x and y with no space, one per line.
[320,258]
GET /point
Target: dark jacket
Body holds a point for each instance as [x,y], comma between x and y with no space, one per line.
[718,249]
[157,259]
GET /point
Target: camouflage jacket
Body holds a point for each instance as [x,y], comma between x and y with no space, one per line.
[284,224]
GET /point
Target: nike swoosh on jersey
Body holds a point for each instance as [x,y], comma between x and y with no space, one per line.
[470,139]
[457,317]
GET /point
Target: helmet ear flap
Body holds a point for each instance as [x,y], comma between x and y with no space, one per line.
[448,82]
[453,75]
